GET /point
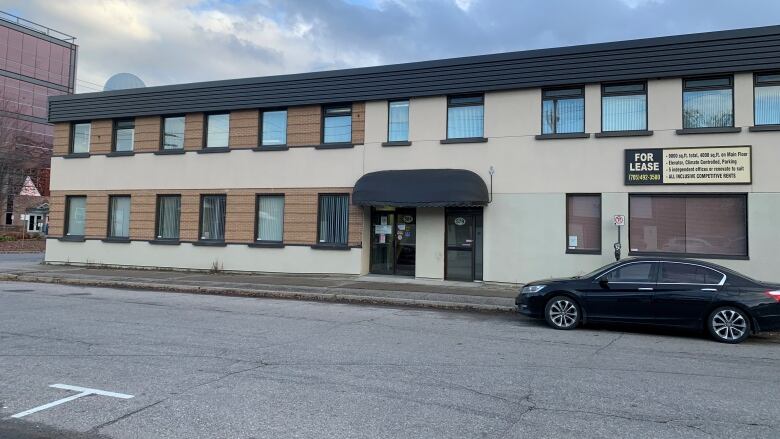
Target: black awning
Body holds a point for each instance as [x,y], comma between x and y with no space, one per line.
[421,188]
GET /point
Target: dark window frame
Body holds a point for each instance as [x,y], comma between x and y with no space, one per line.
[206,130]
[115,128]
[644,93]
[756,84]
[601,218]
[162,131]
[451,105]
[257,216]
[200,219]
[555,100]
[409,105]
[319,216]
[110,217]
[66,224]
[260,144]
[323,116]
[72,140]
[685,88]
[744,195]
[157,218]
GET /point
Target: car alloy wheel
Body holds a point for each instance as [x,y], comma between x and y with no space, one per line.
[729,325]
[562,313]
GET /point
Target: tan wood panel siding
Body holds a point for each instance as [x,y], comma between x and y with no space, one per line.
[244,126]
[193,131]
[61,141]
[303,125]
[147,134]
[101,136]
[300,214]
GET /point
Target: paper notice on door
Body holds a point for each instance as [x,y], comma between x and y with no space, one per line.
[383,229]
[381,239]
[383,220]
[402,227]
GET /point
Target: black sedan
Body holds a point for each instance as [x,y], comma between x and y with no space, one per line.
[682,293]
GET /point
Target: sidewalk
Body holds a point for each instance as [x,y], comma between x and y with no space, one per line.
[371,289]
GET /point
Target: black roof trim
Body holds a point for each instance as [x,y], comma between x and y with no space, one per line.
[694,54]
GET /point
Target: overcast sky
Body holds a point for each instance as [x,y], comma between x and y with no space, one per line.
[175,41]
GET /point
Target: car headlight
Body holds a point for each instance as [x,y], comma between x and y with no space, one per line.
[532,289]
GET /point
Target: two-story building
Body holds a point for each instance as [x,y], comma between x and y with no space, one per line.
[501,168]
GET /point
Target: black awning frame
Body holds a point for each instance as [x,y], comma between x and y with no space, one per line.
[421,188]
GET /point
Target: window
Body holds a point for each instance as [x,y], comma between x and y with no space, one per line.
[640,272]
[212,217]
[76,215]
[217,130]
[337,124]
[767,99]
[124,132]
[583,223]
[173,133]
[333,219]
[624,107]
[563,110]
[703,225]
[270,218]
[274,128]
[678,273]
[708,103]
[79,141]
[398,121]
[168,214]
[118,216]
[465,117]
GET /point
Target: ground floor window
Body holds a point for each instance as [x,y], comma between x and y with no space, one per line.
[168,214]
[583,223]
[690,224]
[333,219]
[270,218]
[75,215]
[119,216]
[212,217]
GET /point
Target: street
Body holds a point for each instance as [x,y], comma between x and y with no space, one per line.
[231,367]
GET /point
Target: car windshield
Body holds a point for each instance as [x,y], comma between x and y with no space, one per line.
[600,270]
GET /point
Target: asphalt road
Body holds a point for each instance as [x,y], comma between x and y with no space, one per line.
[228,367]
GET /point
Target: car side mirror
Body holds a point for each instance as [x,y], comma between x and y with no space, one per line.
[603,282]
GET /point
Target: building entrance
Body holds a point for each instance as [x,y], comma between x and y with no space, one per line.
[393,241]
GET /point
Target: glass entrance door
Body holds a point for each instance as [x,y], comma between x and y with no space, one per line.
[464,245]
[393,241]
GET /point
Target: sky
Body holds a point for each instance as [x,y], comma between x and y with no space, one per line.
[179,41]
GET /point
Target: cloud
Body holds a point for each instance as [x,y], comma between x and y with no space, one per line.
[175,41]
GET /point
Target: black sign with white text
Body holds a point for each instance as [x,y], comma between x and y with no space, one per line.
[644,166]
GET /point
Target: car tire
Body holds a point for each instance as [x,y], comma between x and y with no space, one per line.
[729,324]
[562,312]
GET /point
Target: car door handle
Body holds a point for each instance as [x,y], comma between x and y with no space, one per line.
[645,289]
[709,289]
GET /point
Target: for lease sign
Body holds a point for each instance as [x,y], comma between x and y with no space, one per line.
[711,165]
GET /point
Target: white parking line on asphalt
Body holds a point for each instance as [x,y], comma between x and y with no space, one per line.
[83,391]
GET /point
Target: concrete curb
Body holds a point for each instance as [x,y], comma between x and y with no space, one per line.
[273,294]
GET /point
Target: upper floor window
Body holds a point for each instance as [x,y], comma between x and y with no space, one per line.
[274,128]
[337,124]
[270,218]
[465,116]
[624,107]
[212,217]
[767,99]
[119,216]
[168,215]
[217,130]
[333,219]
[708,102]
[563,110]
[75,215]
[124,133]
[79,140]
[398,121]
[173,132]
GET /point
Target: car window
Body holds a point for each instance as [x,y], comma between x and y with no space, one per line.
[638,272]
[672,273]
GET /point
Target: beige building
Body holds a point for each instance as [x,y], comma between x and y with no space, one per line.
[344,172]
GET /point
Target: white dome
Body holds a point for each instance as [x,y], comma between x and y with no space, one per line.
[122,81]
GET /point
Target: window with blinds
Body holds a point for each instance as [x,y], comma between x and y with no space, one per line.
[333,219]
[212,217]
[168,214]
[465,117]
[270,218]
